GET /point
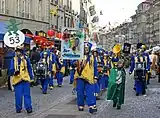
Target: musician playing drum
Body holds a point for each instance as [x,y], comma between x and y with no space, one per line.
[140,67]
[43,72]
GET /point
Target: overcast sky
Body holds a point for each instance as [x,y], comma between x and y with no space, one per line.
[113,10]
[116,10]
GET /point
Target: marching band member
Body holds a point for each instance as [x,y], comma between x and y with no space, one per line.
[84,76]
[60,70]
[116,87]
[43,72]
[96,76]
[72,70]
[106,69]
[100,68]
[22,77]
[52,68]
[147,58]
[140,66]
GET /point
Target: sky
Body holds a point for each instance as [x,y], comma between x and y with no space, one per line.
[116,10]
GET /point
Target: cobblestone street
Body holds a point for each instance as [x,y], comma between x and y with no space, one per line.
[60,103]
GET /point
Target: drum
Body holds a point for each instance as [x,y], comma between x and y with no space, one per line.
[41,70]
[140,72]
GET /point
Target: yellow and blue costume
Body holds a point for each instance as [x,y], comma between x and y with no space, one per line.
[84,76]
[60,72]
[106,70]
[22,77]
[45,80]
[96,60]
[52,68]
[140,71]
[72,70]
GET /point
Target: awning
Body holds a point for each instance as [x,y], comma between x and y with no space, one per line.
[27,39]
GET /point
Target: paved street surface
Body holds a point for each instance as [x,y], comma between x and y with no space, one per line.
[60,103]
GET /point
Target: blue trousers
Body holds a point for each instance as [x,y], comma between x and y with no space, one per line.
[59,77]
[22,89]
[96,88]
[51,83]
[44,83]
[140,86]
[104,81]
[72,75]
[84,88]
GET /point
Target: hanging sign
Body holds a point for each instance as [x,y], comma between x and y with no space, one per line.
[72,45]
[14,37]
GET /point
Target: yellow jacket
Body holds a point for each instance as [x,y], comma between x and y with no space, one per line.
[87,72]
[24,74]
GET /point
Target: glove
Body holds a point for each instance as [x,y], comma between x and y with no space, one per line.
[31,81]
[130,73]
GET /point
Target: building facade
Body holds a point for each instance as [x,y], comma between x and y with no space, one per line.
[146,22]
[36,15]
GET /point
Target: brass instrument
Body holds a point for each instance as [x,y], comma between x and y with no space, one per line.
[117,49]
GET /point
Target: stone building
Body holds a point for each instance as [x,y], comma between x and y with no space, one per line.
[36,15]
[146,22]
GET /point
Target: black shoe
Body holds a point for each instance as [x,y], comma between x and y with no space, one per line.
[59,85]
[114,105]
[137,94]
[95,109]
[80,109]
[143,93]
[118,107]
[44,92]
[19,111]
[134,88]
[92,110]
[97,98]
[29,111]
[71,83]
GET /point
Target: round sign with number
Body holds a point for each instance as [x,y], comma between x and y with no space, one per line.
[14,39]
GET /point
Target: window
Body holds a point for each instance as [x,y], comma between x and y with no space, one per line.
[68,22]
[70,6]
[3,6]
[40,10]
[18,8]
[30,8]
[23,8]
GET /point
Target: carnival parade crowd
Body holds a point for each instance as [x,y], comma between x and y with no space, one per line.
[97,72]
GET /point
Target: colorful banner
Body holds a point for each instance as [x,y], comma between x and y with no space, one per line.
[72,45]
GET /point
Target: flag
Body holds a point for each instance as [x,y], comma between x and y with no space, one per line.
[101,13]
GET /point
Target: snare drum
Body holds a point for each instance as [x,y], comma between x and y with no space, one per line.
[41,70]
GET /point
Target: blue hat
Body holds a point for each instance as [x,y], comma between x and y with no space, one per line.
[89,45]
[115,60]
[106,53]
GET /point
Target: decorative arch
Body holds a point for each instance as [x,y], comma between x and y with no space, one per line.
[26,31]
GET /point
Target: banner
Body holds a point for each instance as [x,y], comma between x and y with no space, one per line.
[127,48]
[72,45]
